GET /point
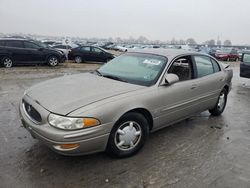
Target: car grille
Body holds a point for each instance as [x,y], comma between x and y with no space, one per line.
[32,113]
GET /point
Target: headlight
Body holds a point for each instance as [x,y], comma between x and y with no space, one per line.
[71,123]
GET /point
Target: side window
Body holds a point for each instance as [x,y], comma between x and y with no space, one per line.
[246,58]
[97,50]
[182,67]
[31,45]
[15,44]
[2,43]
[216,66]
[85,48]
[204,66]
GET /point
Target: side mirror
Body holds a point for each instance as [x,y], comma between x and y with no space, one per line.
[41,49]
[170,79]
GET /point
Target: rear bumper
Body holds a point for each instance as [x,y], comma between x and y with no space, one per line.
[90,140]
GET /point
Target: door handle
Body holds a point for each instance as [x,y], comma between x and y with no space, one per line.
[194,86]
[221,79]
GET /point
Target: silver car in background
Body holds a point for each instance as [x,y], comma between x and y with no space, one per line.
[115,107]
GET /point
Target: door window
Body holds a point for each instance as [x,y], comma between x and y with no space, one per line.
[2,43]
[182,67]
[31,45]
[97,50]
[246,58]
[204,66]
[215,65]
[15,44]
[85,48]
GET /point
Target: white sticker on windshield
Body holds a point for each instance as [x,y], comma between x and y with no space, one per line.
[152,61]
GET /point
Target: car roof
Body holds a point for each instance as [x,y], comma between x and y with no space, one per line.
[169,53]
[14,39]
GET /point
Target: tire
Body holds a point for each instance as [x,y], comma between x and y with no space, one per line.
[78,59]
[7,62]
[53,61]
[220,105]
[128,135]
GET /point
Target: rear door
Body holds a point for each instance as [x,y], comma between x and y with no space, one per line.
[17,50]
[245,66]
[209,81]
[85,52]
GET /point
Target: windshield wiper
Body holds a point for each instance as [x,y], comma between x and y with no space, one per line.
[114,77]
[98,72]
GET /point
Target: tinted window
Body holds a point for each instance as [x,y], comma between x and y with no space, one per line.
[31,45]
[246,58]
[215,65]
[96,50]
[85,48]
[2,43]
[16,44]
[204,66]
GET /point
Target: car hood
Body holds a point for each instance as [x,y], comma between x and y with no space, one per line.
[66,94]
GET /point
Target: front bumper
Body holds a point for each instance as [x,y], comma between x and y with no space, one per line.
[90,140]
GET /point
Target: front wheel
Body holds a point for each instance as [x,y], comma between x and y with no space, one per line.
[220,105]
[7,62]
[128,135]
[78,59]
[53,61]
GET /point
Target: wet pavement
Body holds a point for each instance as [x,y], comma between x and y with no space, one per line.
[202,151]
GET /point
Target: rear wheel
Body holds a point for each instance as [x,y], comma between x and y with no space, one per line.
[78,59]
[53,61]
[128,135]
[7,62]
[221,104]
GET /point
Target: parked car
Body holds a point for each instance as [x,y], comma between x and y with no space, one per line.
[245,65]
[90,53]
[115,107]
[227,55]
[23,51]
[65,49]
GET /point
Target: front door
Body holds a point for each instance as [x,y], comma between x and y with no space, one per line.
[178,100]
[245,66]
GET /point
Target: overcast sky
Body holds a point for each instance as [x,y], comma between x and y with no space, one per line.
[154,19]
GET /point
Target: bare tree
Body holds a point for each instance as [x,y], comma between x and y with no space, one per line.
[227,43]
[190,41]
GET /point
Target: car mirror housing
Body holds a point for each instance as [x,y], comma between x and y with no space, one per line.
[170,79]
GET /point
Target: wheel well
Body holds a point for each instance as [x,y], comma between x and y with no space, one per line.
[227,88]
[146,114]
[50,55]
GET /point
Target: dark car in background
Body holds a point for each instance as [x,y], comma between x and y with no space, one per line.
[90,53]
[245,65]
[227,55]
[24,51]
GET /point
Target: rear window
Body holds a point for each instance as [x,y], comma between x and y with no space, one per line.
[15,44]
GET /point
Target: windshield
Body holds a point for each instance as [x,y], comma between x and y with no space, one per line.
[135,68]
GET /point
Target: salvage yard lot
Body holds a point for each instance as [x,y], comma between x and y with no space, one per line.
[203,151]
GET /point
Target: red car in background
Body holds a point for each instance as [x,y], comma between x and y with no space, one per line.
[227,55]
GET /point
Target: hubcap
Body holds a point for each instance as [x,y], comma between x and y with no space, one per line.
[78,59]
[53,61]
[7,62]
[221,102]
[128,135]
